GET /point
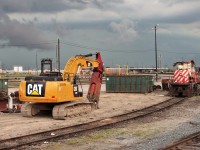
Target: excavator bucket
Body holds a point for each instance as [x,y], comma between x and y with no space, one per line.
[95,82]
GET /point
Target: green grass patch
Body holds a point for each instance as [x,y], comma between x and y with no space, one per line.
[17,75]
[145,133]
[143,130]
[139,130]
[97,136]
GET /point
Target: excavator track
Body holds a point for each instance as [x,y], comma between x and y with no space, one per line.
[59,111]
[62,111]
[29,110]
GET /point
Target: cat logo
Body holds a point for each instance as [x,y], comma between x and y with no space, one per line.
[35,88]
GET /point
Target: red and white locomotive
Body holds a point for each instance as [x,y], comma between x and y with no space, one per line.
[185,81]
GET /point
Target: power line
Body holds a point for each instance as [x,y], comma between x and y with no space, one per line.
[180,52]
[122,51]
[78,45]
[29,44]
[94,49]
[104,50]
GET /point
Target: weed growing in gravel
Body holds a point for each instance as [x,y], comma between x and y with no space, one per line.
[97,136]
[139,130]
[143,130]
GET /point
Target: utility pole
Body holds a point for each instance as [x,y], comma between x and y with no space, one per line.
[36,64]
[56,58]
[58,55]
[155,28]
[160,61]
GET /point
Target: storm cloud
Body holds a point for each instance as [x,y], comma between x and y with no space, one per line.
[23,32]
[18,34]
[126,29]
[119,25]
[49,6]
[31,6]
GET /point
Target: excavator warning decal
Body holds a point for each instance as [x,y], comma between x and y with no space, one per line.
[35,89]
[76,91]
[89,64]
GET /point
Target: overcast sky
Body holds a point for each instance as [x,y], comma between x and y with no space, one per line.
[120,29]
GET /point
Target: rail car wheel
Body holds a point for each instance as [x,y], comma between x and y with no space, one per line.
[197,89]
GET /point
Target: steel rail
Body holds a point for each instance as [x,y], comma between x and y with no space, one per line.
[190,142]
[17,142]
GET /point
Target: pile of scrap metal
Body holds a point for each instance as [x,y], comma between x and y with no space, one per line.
[165,84]
[156,87]
[10,103]
[3,94]
[15,103]
[3,101]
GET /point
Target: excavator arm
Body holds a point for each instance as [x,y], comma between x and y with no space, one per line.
[95,82]
[75,64]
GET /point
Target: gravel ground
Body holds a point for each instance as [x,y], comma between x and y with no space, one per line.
[150,133]
[188,122]
[167,138]
[111,104]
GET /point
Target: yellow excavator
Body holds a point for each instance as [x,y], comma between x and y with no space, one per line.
[60,93]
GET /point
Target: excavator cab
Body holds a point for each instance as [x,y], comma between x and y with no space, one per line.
[47,62]
[47,73]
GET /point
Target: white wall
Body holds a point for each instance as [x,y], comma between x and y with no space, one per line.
[18,69]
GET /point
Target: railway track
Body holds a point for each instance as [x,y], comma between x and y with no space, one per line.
[191,142]
[25,140]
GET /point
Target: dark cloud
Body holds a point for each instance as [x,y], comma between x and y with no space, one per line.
[181,18]
[48,6]
[174,2]
[18,34]
[184,18]
[20,6]
[61,31]
[26,33]
[102,4]
[125,29]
